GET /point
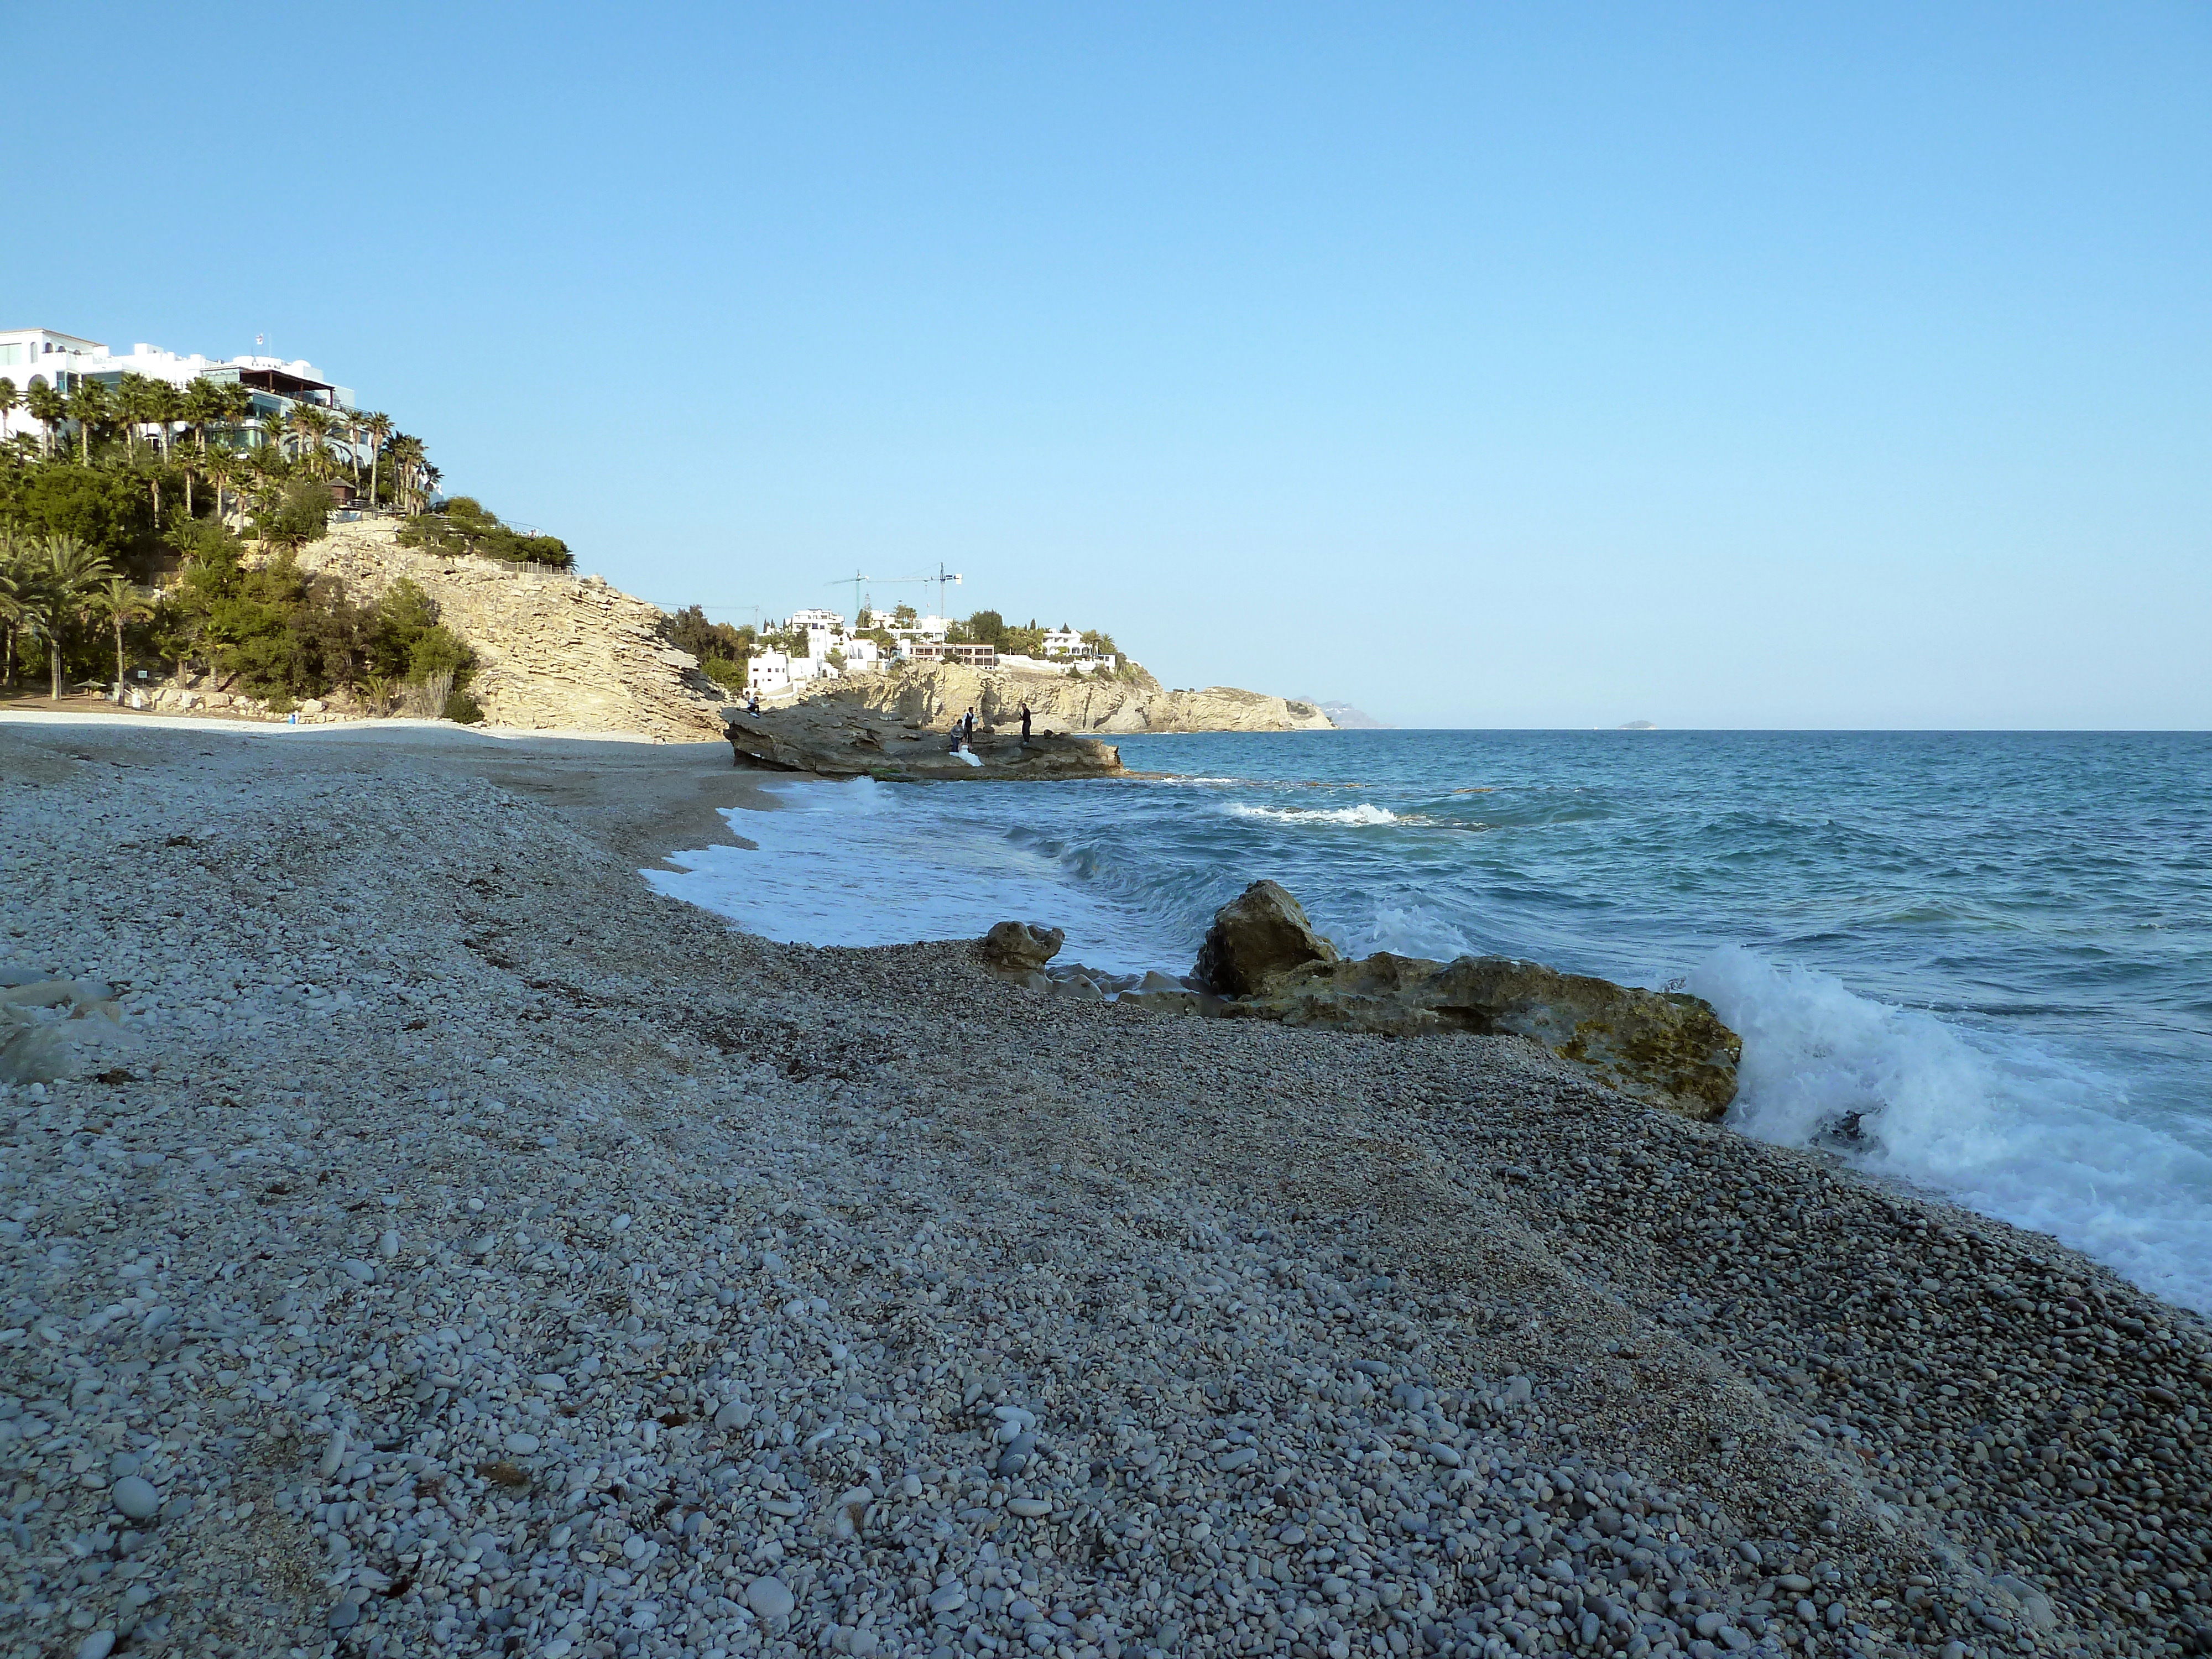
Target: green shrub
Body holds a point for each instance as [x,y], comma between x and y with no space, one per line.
[302,515]
[730,676]
[438,650]
[463,526]
[463,709]
[108,511]
[274,627]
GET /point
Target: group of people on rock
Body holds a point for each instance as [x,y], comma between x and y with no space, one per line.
[964,730]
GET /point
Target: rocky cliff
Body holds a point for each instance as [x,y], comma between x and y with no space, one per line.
[936,693]
[562,652]
[554,652]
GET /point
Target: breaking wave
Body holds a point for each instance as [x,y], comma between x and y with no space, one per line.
[1996,1122]
[1359,816]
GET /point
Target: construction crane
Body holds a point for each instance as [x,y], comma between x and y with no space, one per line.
[864,604]
[940,578]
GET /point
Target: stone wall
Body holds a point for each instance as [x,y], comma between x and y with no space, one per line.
[554,652]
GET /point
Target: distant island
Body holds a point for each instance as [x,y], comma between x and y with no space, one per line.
[1346,718]
[1636,725]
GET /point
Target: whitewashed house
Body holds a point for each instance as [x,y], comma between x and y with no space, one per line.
[40,357]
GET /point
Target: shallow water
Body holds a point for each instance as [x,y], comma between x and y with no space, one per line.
[1978,963]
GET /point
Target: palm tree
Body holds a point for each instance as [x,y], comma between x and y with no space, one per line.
[199,406]
[166,402]
[47,407]
[224,468]
[237,404]
[8,400]
[16,577]
[266,470]
[204,404]
[315,426]
[137,403]
[407,464]
[89,405]
[120,603]
[378,427]
[63,579]
[310,426]
[349,423]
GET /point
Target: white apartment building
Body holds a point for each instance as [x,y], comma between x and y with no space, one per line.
[772,671]
[825,630]
[921,628]
[975,656]
[41,356]
[923,641]
[769,672]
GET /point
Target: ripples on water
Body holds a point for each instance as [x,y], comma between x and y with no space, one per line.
[1982,964]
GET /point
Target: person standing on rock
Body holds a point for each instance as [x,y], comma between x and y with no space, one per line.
[1025,722]
[968,728]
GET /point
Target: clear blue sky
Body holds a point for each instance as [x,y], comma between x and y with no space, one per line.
[1489,366]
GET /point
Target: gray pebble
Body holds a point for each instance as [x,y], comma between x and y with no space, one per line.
[771,1598]
[135,1496]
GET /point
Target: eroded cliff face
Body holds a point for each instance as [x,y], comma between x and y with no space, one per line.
[559,653]
[937,694]
[554,652]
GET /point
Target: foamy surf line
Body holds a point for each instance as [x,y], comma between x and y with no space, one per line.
[1997,1124]
[864,863]
[1357,816]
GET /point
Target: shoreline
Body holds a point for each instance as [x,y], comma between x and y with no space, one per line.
[443,1067]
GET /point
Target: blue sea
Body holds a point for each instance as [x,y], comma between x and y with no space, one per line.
[1978,964]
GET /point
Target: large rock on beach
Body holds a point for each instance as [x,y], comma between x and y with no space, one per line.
[1020,946]
[1256,939]
[1661,1046]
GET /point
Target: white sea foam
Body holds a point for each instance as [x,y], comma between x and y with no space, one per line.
[1359,816]
[865,863]
[1409,931]
[1997,1123]
[2000,1122]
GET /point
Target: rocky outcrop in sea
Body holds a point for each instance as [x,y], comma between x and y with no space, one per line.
[936,693]
[836,738]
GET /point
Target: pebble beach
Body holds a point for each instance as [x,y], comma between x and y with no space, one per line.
[459,1247]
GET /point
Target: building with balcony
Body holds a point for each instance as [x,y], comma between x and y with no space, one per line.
[41,356]
[975,656]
